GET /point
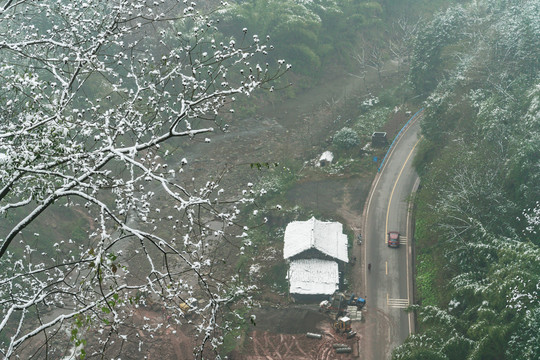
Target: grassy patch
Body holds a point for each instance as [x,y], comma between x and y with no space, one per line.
[373,119]
[276,181]
[275,277]
[426,274]
[354,164]
[238,326]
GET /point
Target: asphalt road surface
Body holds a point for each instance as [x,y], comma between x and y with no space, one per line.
[389,281]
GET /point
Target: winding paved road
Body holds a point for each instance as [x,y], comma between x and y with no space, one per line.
[389,282]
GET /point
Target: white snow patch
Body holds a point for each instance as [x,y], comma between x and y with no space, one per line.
[326,237]
[326,158]
[254,269]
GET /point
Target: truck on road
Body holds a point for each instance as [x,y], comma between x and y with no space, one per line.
[393,239]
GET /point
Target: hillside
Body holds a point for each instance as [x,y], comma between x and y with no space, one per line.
[477,219]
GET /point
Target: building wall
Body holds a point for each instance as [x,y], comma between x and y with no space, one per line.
[316,254]
[309,299]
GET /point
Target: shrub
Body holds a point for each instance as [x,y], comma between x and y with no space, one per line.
[346,138]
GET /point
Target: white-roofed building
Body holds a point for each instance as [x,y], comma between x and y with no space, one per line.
[313,277]
[317,253]
[305,238]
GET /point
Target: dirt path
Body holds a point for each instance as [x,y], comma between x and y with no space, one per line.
[272,346]
[353,219]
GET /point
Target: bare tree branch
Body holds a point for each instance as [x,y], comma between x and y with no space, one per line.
[96,96]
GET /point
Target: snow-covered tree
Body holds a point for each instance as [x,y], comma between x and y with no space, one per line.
[402,33]
[428,45]
[310,33]
[95,97]
[346,138]
[291,23]
[477,210]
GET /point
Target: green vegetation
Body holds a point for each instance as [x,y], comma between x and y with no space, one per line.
[310,34]
[235,332]
[276,181]
[276,277]
[346,138]
[425,279]
[371,120]
[478,223]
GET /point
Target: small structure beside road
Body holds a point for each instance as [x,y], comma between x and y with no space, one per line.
[379,139]
[317,254]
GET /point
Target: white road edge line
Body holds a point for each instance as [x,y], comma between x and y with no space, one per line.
[379,175]
[366,242]
[409,255]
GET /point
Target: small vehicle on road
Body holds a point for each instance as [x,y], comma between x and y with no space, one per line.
[393,239]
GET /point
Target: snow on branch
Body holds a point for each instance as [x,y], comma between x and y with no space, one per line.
[99,216]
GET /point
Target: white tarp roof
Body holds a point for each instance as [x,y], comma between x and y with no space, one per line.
[313,277]
[327,237]
[327,156]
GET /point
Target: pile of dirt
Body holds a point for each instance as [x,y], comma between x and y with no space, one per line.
[292,320]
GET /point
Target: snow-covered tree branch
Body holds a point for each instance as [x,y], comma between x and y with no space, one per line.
[95,97]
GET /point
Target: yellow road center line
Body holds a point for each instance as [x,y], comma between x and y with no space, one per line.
[394,188]
[387,268]
[365,228]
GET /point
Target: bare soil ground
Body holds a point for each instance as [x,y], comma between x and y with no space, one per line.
[281,134]
[282,335]
[278,135]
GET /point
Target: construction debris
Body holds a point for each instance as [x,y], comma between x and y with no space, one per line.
[344,350]
[340,304]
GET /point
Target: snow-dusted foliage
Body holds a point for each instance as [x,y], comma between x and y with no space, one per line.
[443,30]
[346,138]
[533,219]
[478,206]
[95,96]
[291,23]
[495,312]
[311,33]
